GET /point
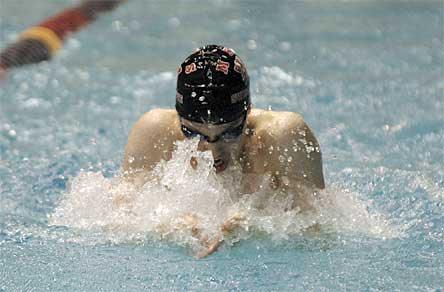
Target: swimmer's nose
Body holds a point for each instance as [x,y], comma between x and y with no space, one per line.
[205,145]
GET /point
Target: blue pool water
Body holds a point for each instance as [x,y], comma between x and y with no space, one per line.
[368,77]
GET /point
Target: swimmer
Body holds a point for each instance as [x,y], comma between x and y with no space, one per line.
[213,104]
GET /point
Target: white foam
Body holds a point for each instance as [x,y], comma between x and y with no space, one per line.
[427,182]
[276,77]
[164,207]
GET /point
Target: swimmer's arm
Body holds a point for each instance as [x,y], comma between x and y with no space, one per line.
[228,227]
[211,247]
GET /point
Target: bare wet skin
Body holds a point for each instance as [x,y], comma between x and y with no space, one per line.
[223,166]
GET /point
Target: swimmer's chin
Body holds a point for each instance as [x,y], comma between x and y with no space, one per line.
[219,165]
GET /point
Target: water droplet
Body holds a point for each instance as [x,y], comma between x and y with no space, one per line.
[209,74]
[115,99]
[251,44]
[285,46]
[173,22]
[285,180]
[193,94]
[117,25]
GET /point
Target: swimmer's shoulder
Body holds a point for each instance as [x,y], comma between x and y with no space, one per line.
[158,122]
[286,134]
[158,117]
[274,123]
[151,139]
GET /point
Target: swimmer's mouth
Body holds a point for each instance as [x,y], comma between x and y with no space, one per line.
[219,165]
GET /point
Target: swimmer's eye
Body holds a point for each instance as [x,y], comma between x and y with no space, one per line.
[229,135]
[232,133]
[190,133]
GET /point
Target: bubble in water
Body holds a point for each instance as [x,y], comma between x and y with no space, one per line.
[251,44]
[285,46]
[115,99]
[116,25]
[174,22]
[234,24]
[12,133]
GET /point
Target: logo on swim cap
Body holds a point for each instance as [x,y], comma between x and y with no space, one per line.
[222,66]
[190,68]
[212,86]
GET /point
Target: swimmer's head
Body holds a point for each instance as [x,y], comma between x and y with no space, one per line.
[213,86]
[223,140]
[212,100]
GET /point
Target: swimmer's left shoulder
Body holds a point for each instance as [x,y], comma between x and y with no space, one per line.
[280,121]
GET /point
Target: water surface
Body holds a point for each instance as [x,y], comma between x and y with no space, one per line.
[366,76]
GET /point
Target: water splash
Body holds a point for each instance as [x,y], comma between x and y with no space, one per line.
[181,200]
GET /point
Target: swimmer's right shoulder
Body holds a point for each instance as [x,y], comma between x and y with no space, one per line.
[158,116]
[151,139]
[156,123]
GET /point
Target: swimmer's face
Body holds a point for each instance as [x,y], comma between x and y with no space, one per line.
[222,140]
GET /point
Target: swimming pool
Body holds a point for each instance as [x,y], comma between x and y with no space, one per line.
[366,76]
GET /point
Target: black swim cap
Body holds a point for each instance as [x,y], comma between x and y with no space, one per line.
[212,86]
